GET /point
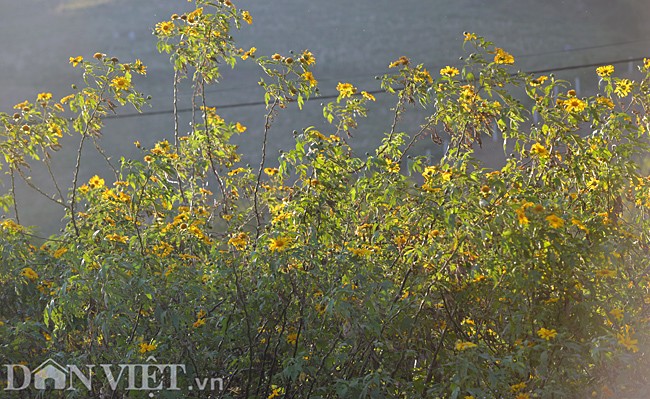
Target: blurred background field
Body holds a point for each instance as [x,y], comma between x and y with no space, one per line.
[352,41]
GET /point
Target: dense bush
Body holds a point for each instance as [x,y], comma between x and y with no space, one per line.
[325,274]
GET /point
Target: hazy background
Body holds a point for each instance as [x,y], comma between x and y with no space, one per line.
[352,41]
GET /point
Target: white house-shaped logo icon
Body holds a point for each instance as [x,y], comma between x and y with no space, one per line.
[50,370]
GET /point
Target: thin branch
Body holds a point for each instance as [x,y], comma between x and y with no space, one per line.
[74,184]
[222,187]
[415,138]
[177,144]
[37,189]
[77,166]
[398,111]
[267,126]
[13,194]
[49,170]
[175,110]
[101,151]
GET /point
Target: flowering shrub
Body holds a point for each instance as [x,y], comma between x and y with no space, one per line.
[327,275]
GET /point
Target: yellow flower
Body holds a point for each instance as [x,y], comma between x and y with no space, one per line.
[625,339]
[540,150]
[10,225]
[198,323]
[593,183]
[145,347]
[517,387]
[308,76]
[212,117]
[66,98]
[605,101]
[24,105]
[469,36]
[468,94]
[195,15]
[236,171]
[29,273]
[54,129]
[617,313]
[271,171]
[368,96]
[579,224]
[308,58]
[391,166]
[276,57]
[574,104]
[400,240]
[281,217]
[546,334]
[606,273]
[140,67]
[161,148]
[503,57]
[523,396]
[165,28]
[623,87]
[538,81]
[345,89]
[121,83]
[163,250]
[44,97]
[449,71]
[96,182]
[240,128]
[246,16]
[277,392]
[291,338]
[76,60]
[554,221]
[60,252]
[239,241]
[423,75]
[401,61]
[360,252]
[605,70]
[462,346]
[117,238]
[279,244]
[429,171]
[249,53]
[196,231]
